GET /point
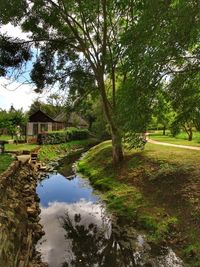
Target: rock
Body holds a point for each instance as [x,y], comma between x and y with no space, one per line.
[32,210]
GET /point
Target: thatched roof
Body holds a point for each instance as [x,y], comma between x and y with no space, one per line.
[40,116]
[73,118]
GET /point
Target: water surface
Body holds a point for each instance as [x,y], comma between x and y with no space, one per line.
[79,231]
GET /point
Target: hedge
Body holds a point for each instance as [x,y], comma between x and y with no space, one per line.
[62,137]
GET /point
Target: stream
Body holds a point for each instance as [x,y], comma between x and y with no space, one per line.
[80,232]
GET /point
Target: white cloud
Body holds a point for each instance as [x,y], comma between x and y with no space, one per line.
[20,96]
[14,31]
[54,246]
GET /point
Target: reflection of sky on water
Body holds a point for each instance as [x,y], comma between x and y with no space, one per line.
[78,231]
[54,246]
[58,188]
[59,196]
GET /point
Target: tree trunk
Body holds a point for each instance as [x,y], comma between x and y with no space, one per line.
[164,129]
[190,134]
[117,151]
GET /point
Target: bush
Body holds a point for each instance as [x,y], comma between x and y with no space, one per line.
[76,134]
[62,137]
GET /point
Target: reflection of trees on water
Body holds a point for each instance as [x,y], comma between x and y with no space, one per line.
[93,245]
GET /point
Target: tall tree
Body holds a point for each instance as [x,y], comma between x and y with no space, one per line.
[68,31]
[138,42]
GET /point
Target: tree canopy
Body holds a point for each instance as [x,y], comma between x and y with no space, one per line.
[122,51]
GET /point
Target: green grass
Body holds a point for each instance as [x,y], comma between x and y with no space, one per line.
[156,189]
[5,137]
[180,139]
[172,155]
[5,161]
[192,253]
[52,152]
[20,147]
[123,200]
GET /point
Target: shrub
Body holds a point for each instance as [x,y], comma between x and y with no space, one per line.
[62,137]
[76,134]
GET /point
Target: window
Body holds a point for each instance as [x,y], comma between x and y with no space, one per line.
[44,127]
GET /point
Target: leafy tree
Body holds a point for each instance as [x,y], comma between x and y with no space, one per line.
[159,47]
[184,91]
[69,30]
[163,111]
[12,54]
[136,42]
[9,120]
[49,108]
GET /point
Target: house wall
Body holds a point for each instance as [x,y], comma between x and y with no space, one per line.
[29,129]
[42,127]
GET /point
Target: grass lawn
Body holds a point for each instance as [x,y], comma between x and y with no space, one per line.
[5,161]
[20,147]
[180,139]
[14,147]
[5,137]
[158,189]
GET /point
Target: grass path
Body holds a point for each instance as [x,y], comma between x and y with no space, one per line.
[173,145]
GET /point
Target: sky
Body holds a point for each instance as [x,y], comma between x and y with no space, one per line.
[20,96]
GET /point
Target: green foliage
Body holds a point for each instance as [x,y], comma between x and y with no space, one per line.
[134,163]
[132,46]
[175,128]
[52,108]
[9,120]
[62,136]
[12,53]
[76,134]
[134,140]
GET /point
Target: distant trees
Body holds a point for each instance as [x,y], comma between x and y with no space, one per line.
[52,107]
[9,120]
[163,112]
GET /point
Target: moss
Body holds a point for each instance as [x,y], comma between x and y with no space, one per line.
[5,160]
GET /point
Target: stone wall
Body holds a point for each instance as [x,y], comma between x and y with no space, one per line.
[19,217]
[9,172]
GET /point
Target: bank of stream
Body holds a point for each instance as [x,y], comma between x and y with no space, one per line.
[79,230]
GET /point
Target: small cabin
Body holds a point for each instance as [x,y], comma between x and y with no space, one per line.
[39,122]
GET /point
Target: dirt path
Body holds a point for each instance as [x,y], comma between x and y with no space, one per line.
[173,145]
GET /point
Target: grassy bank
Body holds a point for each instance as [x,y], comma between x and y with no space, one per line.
[157,189]
[5,161]
[48,153]
[126,202]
